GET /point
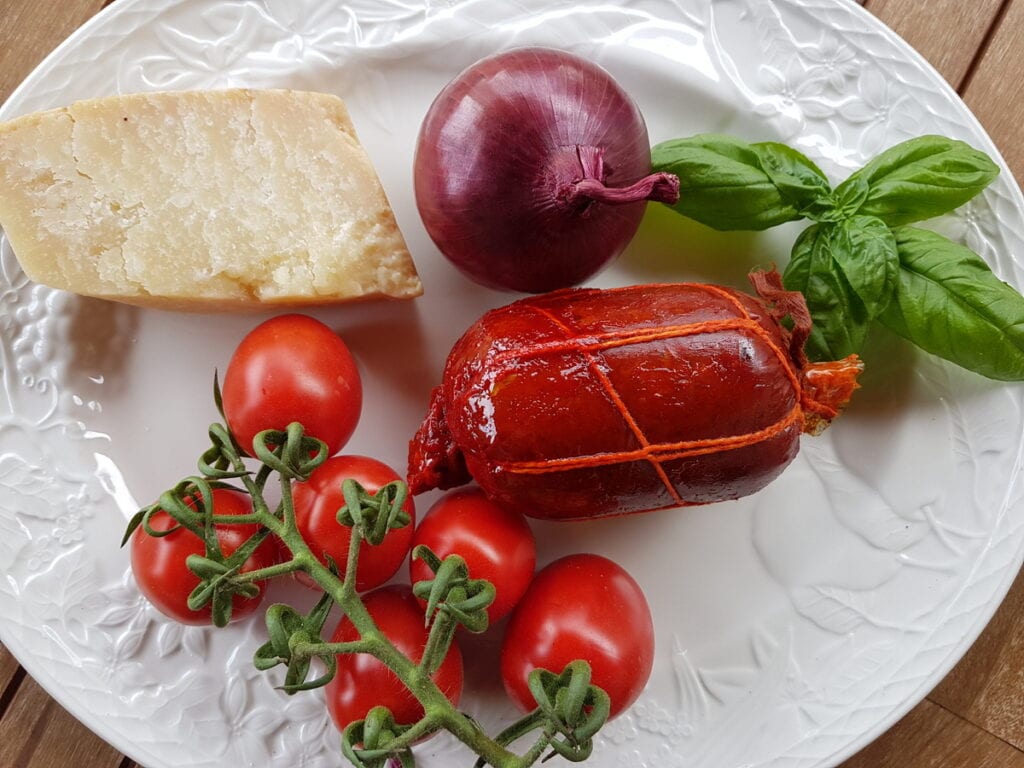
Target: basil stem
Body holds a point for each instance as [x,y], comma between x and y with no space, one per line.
[949,303]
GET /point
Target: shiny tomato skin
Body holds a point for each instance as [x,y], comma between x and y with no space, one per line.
[292,368]
[363,682]
[317,501]
[581,607]
[496,543]
[158,564]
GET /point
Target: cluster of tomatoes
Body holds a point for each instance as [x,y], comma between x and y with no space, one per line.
[294,368]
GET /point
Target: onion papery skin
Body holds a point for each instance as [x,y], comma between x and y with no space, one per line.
[499,156]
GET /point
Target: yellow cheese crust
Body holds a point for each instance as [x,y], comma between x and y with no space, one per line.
[213,200]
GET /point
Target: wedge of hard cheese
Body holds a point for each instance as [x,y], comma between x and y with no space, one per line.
[201,200]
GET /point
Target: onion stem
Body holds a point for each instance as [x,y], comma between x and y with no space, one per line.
[660,187]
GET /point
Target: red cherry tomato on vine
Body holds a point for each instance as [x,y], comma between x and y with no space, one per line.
[497,544]
[317,501]
[158,563]
[292,368]
[363,682]
[581,607]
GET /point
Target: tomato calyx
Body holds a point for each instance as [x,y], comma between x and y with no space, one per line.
[452,594]
[576,706]
[453,600]
[295,640]
[373,514]
[570,710]
[378,740]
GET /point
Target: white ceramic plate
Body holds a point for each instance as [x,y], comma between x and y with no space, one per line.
[792,627]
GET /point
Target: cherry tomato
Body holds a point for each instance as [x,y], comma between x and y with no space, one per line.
[292,368]
[581,607]
[317,501]
[363,682]
[158,563]
[496,543]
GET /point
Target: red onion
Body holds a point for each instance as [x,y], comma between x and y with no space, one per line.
[533,169]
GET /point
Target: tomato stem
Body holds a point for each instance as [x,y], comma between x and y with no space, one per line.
[254,518]
[538,748]
[287,507]
[309,650]
[426,725]
[491,752]
[348,586]
[270,572]
[442,632]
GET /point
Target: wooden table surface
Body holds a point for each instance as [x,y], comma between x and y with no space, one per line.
[975,717]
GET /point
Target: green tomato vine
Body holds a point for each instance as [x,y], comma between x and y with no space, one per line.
[570,709]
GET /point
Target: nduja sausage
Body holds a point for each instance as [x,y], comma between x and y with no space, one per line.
[584,402]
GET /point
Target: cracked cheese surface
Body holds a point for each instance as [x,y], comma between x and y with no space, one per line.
[201,200]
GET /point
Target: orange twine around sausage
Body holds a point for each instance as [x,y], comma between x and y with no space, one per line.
[820,389]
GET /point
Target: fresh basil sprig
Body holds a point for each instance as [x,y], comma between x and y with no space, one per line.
[858,262]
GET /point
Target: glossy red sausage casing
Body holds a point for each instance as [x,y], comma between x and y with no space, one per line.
[583,403]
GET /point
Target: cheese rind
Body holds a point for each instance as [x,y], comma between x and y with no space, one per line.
[201,200]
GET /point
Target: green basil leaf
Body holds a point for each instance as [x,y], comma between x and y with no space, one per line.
[864,250]
[799,181]
[949,303]
[840,318]
[722,183]
[922,178]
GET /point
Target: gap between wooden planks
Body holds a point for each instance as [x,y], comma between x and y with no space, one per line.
[975,718]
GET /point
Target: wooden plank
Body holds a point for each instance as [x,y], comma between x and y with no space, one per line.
[950,45]
[30,29]
[987,686]
[993,90]
[36,732]
[932,737]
